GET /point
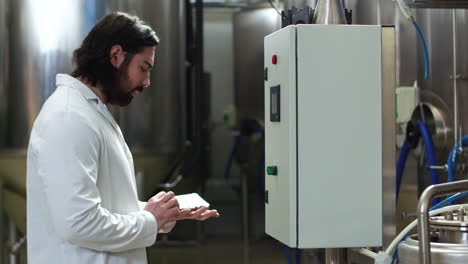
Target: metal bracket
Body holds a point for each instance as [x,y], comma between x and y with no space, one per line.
[438,167]
[458,77]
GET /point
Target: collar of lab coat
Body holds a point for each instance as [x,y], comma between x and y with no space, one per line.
[88,94]
[72,82]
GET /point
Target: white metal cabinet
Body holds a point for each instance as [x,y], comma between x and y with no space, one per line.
[324,127]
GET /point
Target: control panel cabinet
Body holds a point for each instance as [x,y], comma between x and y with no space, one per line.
[328,134]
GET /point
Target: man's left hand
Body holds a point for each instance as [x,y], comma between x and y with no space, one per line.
[200,214]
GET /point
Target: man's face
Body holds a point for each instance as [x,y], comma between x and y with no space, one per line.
[132,76]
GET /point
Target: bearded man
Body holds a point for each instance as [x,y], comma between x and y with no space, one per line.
[82,203]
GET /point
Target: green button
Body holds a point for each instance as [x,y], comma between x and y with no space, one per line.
[272,170]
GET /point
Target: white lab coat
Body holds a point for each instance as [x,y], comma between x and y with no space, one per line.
[82,203]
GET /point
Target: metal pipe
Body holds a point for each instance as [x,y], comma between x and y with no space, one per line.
[17,245]
[329,12]
[199,68]
[423,214]
[442,167]
[455,77]
[190,57]
[303,3]
[245,218]
[199,116]
[12,236]
[336,256]
[182,70]
[4,68]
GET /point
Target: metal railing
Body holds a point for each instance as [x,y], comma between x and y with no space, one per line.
[423,214]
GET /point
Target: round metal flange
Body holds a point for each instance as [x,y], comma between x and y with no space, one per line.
[435,113]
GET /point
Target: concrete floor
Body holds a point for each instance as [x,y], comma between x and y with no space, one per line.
[218,251]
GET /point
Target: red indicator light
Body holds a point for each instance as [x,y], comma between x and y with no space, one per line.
[274,59]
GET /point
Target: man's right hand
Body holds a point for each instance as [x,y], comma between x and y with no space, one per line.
[164,206]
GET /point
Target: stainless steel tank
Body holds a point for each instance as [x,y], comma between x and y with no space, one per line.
[449,241]
[382,12]
[43,37]
[155,121]
[441,253]
[437,91]
[251,25]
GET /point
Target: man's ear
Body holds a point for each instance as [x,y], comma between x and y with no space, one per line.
[117,56]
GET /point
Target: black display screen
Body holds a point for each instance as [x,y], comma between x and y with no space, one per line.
[275,106]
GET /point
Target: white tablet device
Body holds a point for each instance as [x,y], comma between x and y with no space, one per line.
[191,201]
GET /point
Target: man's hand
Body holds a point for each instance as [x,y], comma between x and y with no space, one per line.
[164,206]
[200,214]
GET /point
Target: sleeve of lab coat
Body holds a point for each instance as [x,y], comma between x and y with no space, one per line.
[68,159]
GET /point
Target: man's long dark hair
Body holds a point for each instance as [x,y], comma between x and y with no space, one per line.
[92,59]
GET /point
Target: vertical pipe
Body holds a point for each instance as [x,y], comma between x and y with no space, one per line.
[245,218]
[303,3]
[200,116]
[190,57]
[182,71]
[455,88]
[202,95]
[336,256]
[199,68]
[4,68]
[329,12]
[12,239]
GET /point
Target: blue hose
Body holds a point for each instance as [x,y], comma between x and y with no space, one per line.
[431,156]
[426,54]
[402,157]
[450,199]
[430,151]
[451,163]
[452,160]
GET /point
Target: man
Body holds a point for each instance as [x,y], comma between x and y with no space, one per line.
[82,204]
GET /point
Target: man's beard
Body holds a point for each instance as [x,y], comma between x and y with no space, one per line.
[115,88]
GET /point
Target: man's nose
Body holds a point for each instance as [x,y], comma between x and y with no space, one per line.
[146,82]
